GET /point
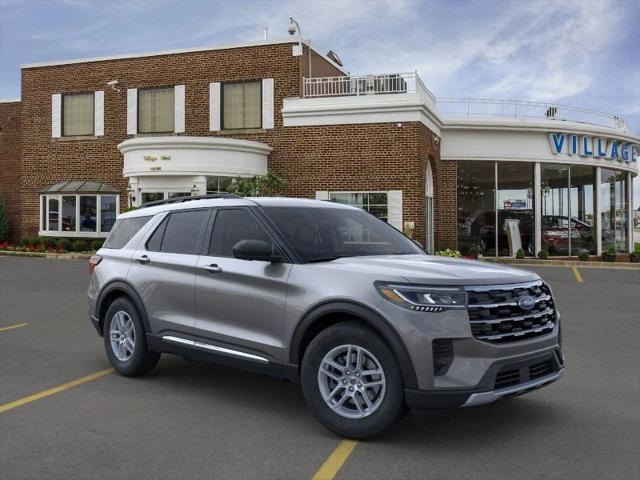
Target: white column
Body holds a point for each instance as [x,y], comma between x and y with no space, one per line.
[179,100]
[630,211]
[214,106]
[598,212]
[98,113]
[537,207]
[132,111]
[56,115]
[98,213]
[394,209]
[268,108]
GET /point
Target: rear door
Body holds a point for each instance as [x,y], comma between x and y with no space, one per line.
[240,303]
[163,272]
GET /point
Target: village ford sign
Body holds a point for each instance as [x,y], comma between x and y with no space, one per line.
[591,146]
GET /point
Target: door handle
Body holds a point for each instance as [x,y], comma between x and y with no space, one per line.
[213,268]
[143,259]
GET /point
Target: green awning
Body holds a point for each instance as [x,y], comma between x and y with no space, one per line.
[80,186]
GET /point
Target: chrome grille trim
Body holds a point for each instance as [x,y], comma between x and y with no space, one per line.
[496,317]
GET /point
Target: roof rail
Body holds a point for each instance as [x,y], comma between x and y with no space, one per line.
[188,199]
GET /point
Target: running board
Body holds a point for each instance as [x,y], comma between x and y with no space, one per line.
[214,348]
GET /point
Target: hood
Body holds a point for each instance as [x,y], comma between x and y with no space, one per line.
[433,270]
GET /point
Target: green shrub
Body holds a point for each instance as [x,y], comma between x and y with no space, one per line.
[635,257]
[583,255]
[64,244]
[543,254]
[4,223]
[79,246]
[449,253]
[611,250]
[47,242]
[96,244]
[520,253]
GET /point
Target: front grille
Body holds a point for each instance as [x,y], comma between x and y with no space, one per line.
[496,316]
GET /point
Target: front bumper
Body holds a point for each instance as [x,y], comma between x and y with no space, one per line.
[492,387]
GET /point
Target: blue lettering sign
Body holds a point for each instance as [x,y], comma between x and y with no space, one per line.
[557,142]
[585,147]
[600,150]
[573,148]
[614,150]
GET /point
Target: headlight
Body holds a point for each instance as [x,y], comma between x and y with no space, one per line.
[423,299]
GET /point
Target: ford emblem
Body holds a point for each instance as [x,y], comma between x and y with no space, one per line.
[526,302]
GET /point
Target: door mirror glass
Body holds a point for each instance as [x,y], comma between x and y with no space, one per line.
[256,250]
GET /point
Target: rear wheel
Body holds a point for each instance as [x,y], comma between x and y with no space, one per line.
[352,382]
[124,340]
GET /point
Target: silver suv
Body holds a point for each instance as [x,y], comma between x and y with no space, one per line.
[322,294]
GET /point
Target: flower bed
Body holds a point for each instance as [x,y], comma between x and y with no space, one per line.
[52,245]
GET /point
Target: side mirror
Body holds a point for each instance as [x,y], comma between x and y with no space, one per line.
[256,250]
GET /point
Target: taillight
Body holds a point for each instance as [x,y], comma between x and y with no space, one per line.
[93,262]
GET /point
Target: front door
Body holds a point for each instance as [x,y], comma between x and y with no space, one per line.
[240,303]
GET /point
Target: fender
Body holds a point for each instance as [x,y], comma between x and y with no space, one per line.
[123,286]
[372,318]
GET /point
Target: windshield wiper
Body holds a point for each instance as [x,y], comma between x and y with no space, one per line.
[327,259]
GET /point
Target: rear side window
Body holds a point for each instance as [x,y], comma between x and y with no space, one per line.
[124,230]
[155,241]
[230,227]
[183,231]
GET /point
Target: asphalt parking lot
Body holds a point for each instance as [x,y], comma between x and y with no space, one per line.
[192,421]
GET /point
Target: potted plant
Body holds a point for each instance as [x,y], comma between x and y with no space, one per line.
[583,255]
[473,252]
[635,255]
[543,254]
[610,255]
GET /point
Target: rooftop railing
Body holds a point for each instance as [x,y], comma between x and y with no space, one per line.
[356,85]
[526,109]
[399,83]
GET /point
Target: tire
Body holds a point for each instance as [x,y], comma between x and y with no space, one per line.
[352,417]
[132,358]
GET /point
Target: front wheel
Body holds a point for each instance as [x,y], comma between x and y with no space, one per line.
[352,382]
[125,342]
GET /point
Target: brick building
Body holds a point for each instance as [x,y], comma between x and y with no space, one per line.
[91,137]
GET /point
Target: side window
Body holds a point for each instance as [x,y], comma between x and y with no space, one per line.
[155,241]
[182,231]
[122,232]
[230,227]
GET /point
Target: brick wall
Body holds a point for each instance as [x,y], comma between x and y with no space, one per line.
[340,157]
[10,161]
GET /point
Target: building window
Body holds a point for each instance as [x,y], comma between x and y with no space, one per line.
[241,105]
[614,207]
[156,196]
[375,203]
[156,110]
[78,215]
[78,114]
[516,219]
[218,184]
[477,206]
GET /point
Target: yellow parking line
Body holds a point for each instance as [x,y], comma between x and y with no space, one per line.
[65,386]
[335,461]
[11,327]
[576,272]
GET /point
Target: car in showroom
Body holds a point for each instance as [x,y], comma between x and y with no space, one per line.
[325,295]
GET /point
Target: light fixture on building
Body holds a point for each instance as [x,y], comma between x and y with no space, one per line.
[131,194]
[112,84]
[294,28]
[194,190]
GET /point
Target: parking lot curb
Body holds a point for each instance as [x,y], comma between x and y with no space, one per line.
[563,263]
[62,256]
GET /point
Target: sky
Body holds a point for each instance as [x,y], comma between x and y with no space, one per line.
[578,52]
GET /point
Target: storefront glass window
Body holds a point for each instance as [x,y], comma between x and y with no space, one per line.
[88,214]
[178,194]
[375,203]
[107,212]
[152,196]
[582,205]
[516,219]
[615,210]
[555,208]
[218,184]
[476,206]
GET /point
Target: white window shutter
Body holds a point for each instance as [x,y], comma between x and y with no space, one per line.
[132,111]
[214,106]
[179,108]
[322,195]
[98,112]
[267,103]
[394,208]
[56,115]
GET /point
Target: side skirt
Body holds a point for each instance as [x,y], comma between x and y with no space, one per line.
[210,354]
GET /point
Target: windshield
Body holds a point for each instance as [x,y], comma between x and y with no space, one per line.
[324,234]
